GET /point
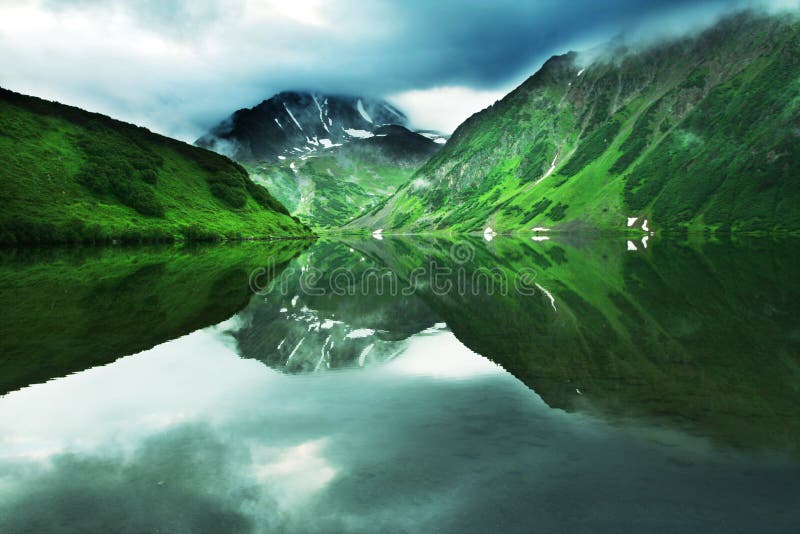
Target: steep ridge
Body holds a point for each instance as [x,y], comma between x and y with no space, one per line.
[697,134]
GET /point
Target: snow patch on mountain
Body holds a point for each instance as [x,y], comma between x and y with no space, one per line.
[292,116]
[327,143]
[321,118]
[436,137]
[360,333]
[361,134]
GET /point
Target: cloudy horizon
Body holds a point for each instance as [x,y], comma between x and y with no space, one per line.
[180,67]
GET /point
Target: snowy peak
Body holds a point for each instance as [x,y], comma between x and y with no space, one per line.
[299,123]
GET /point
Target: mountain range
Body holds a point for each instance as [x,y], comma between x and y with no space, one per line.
[695,134]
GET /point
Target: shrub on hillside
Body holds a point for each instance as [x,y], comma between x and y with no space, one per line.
[129,191]
[263,198]
[149,175]
[124,168]
[592,147]
[537,209]
[229,190]
[558,212]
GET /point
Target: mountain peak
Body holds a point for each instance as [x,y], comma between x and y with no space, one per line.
[294,123]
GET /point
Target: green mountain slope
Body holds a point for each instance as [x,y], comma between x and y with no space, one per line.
[699,133]
[69,175]
[337,184]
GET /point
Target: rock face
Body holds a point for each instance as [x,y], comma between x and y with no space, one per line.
[700,133]
[292,124]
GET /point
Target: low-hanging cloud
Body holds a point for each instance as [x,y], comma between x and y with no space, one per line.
[179,67]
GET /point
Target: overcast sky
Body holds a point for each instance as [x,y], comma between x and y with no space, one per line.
[179,67]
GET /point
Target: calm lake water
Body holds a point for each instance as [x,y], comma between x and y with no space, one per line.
[402,385]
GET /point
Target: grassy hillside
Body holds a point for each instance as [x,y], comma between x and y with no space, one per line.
[73,176]
[698,134]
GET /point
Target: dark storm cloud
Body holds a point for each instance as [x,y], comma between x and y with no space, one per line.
[180,66]
[488,43]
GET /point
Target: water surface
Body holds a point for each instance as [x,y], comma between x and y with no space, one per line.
[402,385]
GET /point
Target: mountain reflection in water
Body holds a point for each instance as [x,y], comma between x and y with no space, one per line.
[629,390]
